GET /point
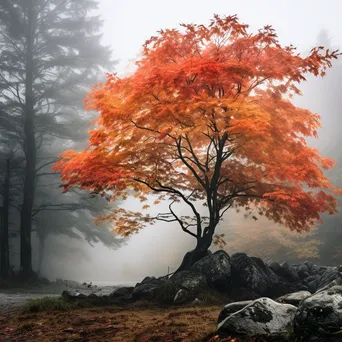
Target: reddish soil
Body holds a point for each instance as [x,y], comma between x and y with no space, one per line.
[113,324]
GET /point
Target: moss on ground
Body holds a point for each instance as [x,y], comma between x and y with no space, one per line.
[49,304]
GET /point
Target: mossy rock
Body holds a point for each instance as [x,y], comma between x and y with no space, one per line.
[166,293]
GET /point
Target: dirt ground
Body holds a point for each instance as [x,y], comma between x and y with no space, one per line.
[113,324]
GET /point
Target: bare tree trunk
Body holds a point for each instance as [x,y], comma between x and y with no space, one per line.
[4,242]
[30,153]
[201,250]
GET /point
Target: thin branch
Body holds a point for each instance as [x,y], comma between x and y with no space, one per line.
[46,164]
[181,222]
[59,207]
[144,128]
[173,191]
[181,156]
[47,174]
[191,150]
[223,212]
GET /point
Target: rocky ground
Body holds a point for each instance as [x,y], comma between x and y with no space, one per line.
[221,298]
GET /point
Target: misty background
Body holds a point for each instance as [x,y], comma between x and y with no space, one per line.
[76,249]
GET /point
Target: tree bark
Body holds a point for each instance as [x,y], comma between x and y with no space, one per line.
[30,153]
[201,250]
[4,241]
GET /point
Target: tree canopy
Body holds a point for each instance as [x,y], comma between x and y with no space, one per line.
[207,118]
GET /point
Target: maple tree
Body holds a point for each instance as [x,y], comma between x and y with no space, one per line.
[207,118]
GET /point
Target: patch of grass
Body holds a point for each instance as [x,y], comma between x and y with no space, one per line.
[142,304]
[211,297]
[51,304]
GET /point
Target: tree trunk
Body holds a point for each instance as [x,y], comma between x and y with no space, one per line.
[201,250]
[30,153]
[4,242]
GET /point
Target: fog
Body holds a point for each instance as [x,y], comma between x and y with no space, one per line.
[152,251]
[127,24]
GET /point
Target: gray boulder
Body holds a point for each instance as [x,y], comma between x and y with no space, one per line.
[320,314]
[312,277]
[152,280]
[303,267]
[328,276]
[303,271]
[145,291]
[122,292]
[312,282]
[251,273]
[294,298]
[73,294]
[337,281]
[232,307]
[182,287]
[183,296]
[289,272]
[322,269]
[314,269]
[189,280]
[275,267]
[93,296]
[217,268]
[262,317]
[310,265]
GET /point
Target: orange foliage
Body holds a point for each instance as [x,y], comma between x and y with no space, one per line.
[207,116]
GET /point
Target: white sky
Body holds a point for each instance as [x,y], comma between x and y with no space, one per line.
[128,23]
